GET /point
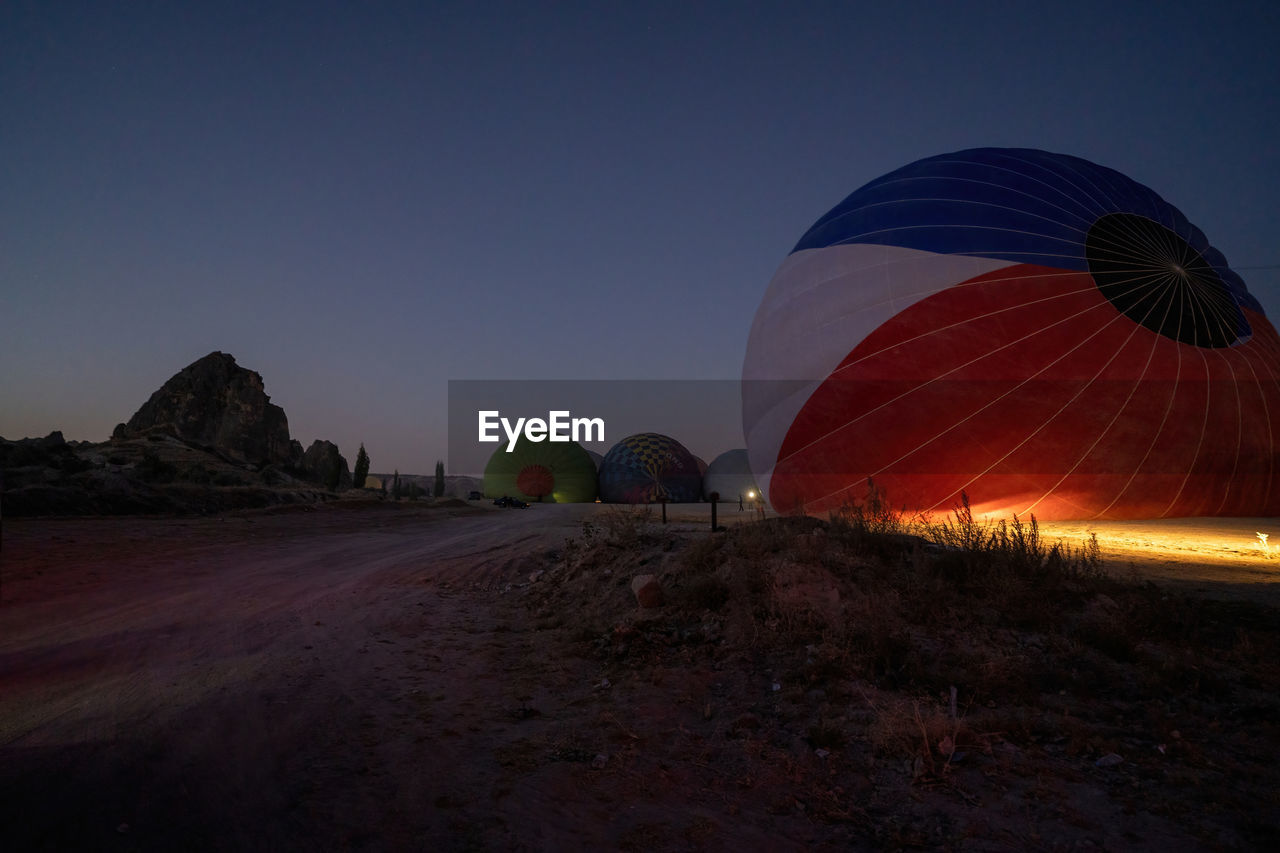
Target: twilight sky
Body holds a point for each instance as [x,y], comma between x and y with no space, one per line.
[362,201]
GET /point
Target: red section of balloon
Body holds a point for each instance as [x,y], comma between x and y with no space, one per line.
[535,481]
[1028,391]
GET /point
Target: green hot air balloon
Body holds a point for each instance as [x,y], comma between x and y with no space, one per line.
[560,471]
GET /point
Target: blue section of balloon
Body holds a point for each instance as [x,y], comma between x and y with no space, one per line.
[647,467]
[1014,204]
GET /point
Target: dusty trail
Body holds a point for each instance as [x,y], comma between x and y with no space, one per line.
[364,678]
[263,686]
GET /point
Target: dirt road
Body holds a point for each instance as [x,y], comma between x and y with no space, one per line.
[259,681]
[342,678]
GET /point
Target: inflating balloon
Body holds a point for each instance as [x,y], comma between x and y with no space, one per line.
[648,467]
[1031,330]
[560,471]
[729,475]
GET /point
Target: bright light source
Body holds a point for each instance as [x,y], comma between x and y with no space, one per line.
[751,494]
[1181,546]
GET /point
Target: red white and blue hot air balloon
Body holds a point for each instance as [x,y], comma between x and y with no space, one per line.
[1040,333]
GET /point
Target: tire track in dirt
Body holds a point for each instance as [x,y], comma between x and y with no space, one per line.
[257,693]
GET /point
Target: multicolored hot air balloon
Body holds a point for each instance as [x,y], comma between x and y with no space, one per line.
[646,467]
[561,471]
[1033,330]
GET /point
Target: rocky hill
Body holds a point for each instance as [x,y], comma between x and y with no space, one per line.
[217,403]
[322,463]
[208,440]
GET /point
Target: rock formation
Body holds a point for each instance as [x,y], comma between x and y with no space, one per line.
[209,440]
[323,464]
[216,403]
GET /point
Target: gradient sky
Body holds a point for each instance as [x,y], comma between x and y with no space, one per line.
[362,201]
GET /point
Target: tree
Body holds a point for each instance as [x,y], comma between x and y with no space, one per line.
[438,491]
[361,472]
[395,485]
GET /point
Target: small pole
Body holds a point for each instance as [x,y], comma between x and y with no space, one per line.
[663,501]
[714,496]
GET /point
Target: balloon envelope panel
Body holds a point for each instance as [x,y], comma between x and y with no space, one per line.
[1032,330]
[646,467]
[560,471]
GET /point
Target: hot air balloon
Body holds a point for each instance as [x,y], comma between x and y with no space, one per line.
[1033,331]
[702,473]
[561,471]
[648,467]
[729,474]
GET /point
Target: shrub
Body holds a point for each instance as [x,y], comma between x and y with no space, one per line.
[980,555]
[872,527]
[624,527]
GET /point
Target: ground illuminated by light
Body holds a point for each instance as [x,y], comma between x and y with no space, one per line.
[1217,554]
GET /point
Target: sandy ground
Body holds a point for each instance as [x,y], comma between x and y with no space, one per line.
[254,680]
[364,678]
[1218,557]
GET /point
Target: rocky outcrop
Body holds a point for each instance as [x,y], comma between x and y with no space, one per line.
[209,440]
[156,474]
[31,461]
[323,464]
[216,403]
[648,591]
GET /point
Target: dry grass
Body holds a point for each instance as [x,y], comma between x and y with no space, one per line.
[935,645]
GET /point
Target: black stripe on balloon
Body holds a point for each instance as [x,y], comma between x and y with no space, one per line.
[1177,293]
